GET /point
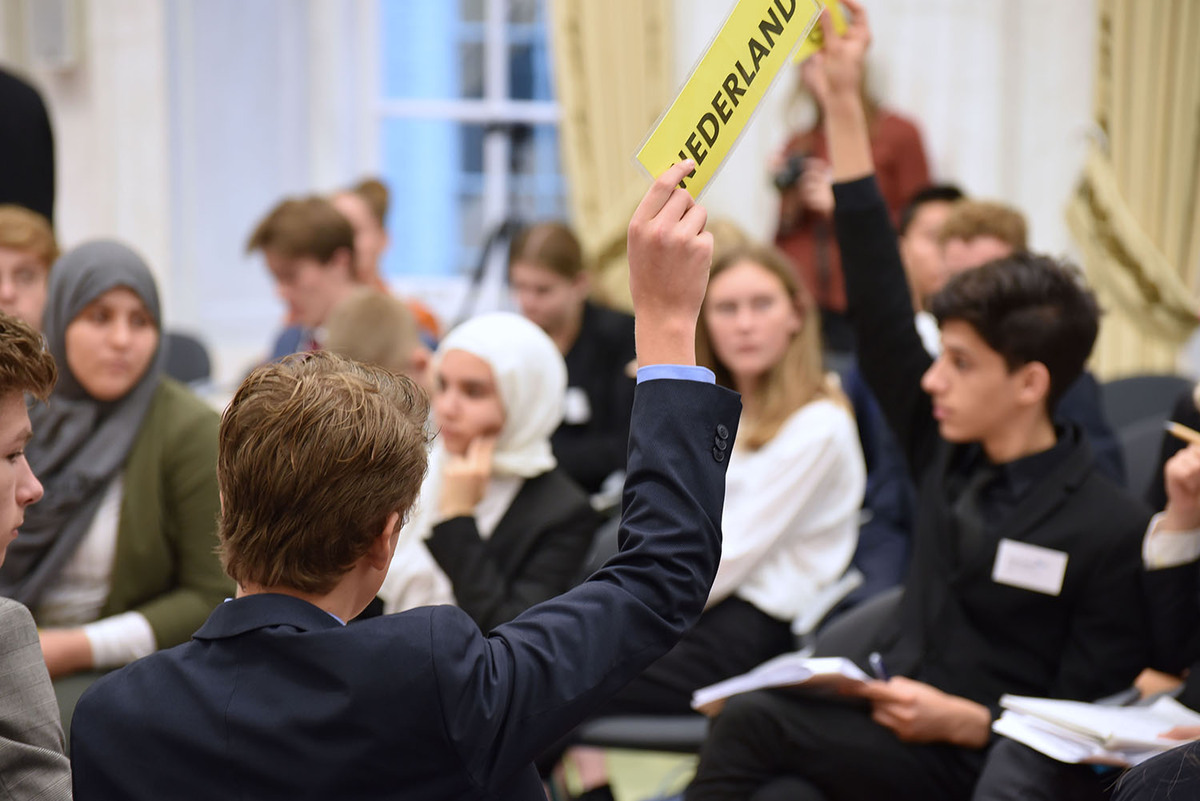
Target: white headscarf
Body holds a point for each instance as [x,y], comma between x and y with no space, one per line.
[531,379]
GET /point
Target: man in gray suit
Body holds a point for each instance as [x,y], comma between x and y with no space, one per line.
[32,764]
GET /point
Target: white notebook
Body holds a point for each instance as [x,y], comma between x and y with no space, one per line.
[821,673]
[1076,732]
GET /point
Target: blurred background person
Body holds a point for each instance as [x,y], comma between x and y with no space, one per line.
[976,232]
[32,762]
[118,559]
[365,205]
[920,230]
[550,282]
[308,246]
[801,174]
[498,527]
[27,249]
[792,492]
[376,328]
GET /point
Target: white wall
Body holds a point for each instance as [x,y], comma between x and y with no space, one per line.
[183,122]
[186,119]
[1000,88]
[109,114]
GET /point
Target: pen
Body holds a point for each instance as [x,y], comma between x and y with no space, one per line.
[1182,432]
[877,666]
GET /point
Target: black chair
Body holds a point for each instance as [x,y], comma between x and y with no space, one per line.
[854,634]
[1141,442]
[1129,400]
[187,358]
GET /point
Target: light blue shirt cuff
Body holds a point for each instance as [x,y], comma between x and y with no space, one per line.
[680,372]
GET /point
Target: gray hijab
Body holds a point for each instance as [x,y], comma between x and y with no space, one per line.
[79,443]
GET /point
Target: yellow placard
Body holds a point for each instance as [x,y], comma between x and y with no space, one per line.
[721,94]
[816,37]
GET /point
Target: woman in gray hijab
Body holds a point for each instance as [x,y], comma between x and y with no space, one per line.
[118,559]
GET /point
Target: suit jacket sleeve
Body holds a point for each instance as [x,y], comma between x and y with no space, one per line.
[509,696]
[32,764]
[1173,597]
[890,354]
[1106,644]
[480,586]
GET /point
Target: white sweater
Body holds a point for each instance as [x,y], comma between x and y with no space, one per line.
[791,512]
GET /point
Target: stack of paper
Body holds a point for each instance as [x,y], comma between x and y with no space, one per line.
[1075,732]
[821,673]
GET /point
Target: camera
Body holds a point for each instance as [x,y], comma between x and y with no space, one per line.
[790,172]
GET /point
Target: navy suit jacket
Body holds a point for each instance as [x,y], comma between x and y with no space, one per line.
[274,699]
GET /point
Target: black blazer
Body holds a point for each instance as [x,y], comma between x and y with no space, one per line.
[274,699]
[535,552]
[598,364]
[955,627]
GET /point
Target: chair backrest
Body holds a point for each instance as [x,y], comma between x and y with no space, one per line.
[187,358]
[1130,400]
[862,629]
[1141,443]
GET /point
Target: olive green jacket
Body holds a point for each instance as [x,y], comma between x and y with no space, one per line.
[166,565]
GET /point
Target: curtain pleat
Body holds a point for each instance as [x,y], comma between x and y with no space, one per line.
[1136,212]
[612,67]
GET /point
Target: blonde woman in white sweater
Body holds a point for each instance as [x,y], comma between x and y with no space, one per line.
[793,490]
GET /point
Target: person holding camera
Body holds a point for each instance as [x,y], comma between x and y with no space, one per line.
[801,173]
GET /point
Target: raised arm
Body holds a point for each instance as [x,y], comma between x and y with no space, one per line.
[890,353]
[543,673]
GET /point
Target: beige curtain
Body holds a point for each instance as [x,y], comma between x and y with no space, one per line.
[1136,213]
[612,68]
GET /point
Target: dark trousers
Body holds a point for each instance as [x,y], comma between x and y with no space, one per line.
[1015,772]
[776,745]
[730,638]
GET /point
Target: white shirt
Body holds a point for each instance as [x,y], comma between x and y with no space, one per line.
[790,522]
[78,593]
[1162,549]
[930,333]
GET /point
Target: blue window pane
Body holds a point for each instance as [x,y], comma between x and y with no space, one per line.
[433,168]
[529,67]
[527,11]
[538,189]
[430,50]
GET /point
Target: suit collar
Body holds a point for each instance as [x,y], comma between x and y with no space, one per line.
[1065,468]
[1075,463]
[241,615]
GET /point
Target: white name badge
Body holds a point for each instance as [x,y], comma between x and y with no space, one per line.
[576,409]
[1030,567]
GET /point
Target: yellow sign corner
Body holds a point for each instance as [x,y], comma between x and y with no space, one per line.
[720,96]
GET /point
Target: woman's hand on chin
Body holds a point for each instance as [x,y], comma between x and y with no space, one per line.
[465,478]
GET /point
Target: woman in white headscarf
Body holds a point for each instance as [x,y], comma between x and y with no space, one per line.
[498,526]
